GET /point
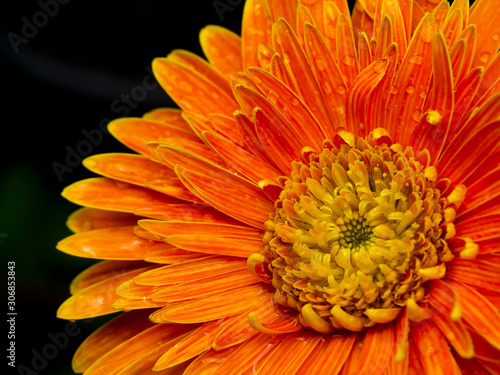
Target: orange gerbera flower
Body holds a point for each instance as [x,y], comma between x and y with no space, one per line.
[326,200]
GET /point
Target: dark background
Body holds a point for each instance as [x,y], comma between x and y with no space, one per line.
[63,80]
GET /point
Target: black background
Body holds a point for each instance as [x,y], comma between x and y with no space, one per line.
[62,81]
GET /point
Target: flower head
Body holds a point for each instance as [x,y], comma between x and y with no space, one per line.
[325,201]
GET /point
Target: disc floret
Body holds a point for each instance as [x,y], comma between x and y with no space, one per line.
[357,231]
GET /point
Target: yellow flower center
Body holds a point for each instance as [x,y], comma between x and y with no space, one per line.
[357,231]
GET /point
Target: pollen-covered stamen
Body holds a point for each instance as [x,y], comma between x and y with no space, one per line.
[356,233]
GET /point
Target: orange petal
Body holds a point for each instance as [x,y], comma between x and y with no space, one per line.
[429,135]
[186,212]
[309,90]
[209,361]
[411,80]
[97,299]
[256,28]
[170,116]
[480,228]
[190,90]
[475,273]
[171,256]
[483,350]
[218,245]
[398,364]
[374,352]
[217,305]
[200,66]
[104,193]
[160,336]
[455,332]
[269,314]
[252,167]
[359,99]
[128,304]
[485,16]
[318,363]
[109,336]
[346,50]
[327,72]
[205,286]
[226,126]
[114,243]
[480,194]
[85,219]
[192,345]
[486,151]
[102,271]
[127,167]
[249,353]
[190,270]
[433,348]
[170,228]
[136,132]
[222,48]
[290,353]
[236,198]
[364,52]
[478,312]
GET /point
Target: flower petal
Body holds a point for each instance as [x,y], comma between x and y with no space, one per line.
[374,351]
[190,270]
[222,48]
[104,193]
[136,132]
[190,90]
[319,363]
[487,46]
[478,312]
[96,299]
[85,219]
[205,286]
[109,336]
[434,351]
[160,336]
[114,243]
[217,305]
[192,345]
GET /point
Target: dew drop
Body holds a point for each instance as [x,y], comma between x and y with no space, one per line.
[427,31]
[379,66]
[417,114]
[286,57]
[423,94]
[410,89]
[215,95]
[295,101]
[349,60]
[394,90]
[496,36]
[320,64]
[341,89]
[416,59]
[325,85]
[485,57]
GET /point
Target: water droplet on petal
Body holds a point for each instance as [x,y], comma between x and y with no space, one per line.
[326,86]
[416,59]
[295,101]
[410,89]
[349,60]
[427,31]
[417,114]
[423,94]
[496,36]
[379,66]
[341,89]
[286,57]
[215,95]
[394,90]
[485,57]
[321,64]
